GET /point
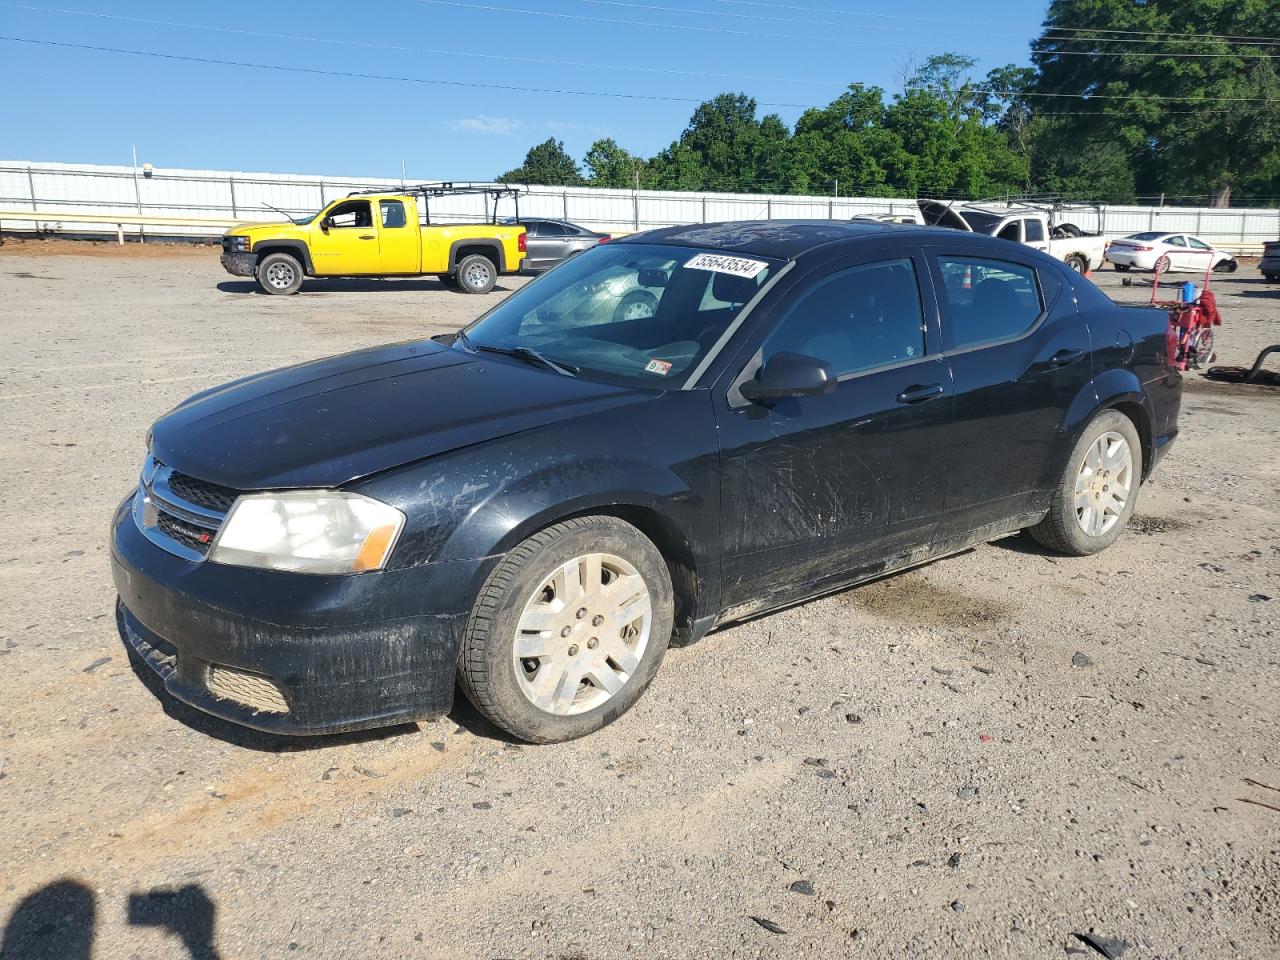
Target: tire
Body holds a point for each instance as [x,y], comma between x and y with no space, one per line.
[1122,267]
[1205,353]
[1063,528]
[279,274]
[1225,266]
[631,307]
[524,589]
[1271,277]
[1161,266]
[476,274]
[1077,263]
[1065,230]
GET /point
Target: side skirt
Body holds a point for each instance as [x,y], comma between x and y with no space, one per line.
[846,579]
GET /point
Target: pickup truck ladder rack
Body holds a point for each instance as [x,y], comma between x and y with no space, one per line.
[449,189]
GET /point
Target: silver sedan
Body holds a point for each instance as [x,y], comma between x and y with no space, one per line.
[553,241]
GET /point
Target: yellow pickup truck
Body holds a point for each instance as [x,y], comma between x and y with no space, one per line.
[385,234]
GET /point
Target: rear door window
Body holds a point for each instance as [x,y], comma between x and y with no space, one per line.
[392,213]
[864,317]
[1034,231]
[988,300]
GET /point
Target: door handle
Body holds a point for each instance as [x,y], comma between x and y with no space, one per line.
[1065,358]
[368,236]
[921,393]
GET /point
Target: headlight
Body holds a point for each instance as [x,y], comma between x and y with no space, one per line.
[308,531]
[239,244]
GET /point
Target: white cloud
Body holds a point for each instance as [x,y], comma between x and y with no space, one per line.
[493,126]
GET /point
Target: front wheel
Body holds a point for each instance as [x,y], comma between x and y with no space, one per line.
[279,274]
[1161,265]
[568,630]
[476,274]
[1098,491]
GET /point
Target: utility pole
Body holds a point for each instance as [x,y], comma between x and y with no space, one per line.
[137,191]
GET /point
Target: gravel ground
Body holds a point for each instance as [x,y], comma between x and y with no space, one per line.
[988,756]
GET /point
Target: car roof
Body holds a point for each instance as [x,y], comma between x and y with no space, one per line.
[789,239]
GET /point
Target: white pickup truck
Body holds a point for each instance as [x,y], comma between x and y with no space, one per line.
[1036,228]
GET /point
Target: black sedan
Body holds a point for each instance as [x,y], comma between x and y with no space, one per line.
[541,504]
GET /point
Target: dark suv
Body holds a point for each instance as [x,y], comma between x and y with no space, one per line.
[540,504]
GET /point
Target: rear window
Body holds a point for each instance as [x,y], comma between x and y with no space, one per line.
[988,300]
[1145,236]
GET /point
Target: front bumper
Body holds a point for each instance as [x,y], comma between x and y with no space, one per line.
[294,653]
[240,263]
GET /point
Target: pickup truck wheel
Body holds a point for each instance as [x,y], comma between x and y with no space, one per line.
[1098,491]
[279,274]
[476,274]
[568,630]
[1077,263]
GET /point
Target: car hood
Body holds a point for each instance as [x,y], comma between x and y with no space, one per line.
[326,423]
[939,214]
[274,230]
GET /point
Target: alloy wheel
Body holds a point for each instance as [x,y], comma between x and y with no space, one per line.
[582,634]
[1104,484]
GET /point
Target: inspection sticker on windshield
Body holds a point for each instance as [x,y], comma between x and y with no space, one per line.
[660,367]
[719,263]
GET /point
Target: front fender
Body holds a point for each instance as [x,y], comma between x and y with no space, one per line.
[482,500]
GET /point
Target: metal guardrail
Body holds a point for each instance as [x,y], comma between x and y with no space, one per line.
[118,220]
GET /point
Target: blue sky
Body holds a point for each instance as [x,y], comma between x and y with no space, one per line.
[70,104]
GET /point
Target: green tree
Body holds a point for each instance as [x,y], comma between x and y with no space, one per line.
[1189,107]
[608,165]
[547,163]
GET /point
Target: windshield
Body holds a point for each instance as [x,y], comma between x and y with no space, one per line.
[639,314]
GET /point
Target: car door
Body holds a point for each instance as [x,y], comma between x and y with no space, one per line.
[818,490]
[1033,234]
[399,246]
[1200,256]
[345,242]
[545,244]
[1176,250]
[1019,356]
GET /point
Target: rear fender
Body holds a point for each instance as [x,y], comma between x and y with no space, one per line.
[1117,388]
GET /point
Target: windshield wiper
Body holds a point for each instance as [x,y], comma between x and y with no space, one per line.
[528,355]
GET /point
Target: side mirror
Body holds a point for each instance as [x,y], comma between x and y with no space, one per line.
[789,375]
[325,224]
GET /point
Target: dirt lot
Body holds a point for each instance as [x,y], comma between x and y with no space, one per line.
[984,757]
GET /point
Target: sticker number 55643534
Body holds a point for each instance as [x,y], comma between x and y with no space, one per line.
[720,263]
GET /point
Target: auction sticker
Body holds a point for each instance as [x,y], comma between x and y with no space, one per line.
[720,263]
[660,367]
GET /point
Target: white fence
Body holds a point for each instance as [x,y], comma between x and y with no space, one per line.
[63,190]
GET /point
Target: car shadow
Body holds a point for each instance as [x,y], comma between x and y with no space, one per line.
[1023,543]
[1269,294]
[353,285]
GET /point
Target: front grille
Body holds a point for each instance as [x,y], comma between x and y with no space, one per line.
[180,513]
[187,534]
[201,493]
[247,689]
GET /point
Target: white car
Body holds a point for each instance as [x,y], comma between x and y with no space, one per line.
[1168,251]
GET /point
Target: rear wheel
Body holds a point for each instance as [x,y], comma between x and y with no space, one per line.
[568,630]
[1077,263]
[279,274]
[476,274]
[1098,491]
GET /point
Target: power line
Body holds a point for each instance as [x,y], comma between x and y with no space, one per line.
[353,75]
[1173,36]
[390,46]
